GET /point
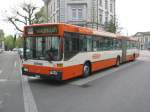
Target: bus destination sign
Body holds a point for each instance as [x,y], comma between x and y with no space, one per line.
[42,30]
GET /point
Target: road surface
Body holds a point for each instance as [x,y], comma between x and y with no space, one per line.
[123,89]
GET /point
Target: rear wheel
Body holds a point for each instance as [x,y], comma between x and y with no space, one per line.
[118,61]
[86,70]
[134,57]
[42,77]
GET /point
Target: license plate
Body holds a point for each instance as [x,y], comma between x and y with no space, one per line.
[36,63]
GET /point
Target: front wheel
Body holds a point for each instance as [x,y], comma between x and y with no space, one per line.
[86,70]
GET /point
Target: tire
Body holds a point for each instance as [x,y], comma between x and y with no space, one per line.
[86,70]
[134,57]
[118,62]
[42,77]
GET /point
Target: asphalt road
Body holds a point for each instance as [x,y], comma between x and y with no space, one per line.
[123,89]
[11,99]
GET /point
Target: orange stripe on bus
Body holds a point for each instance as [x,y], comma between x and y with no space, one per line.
[103,64]
[75,70]
[68,72]
[72,71]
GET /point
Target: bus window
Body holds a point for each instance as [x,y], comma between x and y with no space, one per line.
[40,48]
[129,45]
[83,43]
[89,43]
[117,44]
[114,44]
[71,45]
[94,45]
[110,44]
[105,45]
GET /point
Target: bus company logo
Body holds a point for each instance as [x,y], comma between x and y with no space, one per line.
[96,56]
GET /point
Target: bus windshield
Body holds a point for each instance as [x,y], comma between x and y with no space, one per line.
[43,48]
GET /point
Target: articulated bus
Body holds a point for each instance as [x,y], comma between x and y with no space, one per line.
[62,51]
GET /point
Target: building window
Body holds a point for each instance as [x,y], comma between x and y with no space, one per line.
[54,6]
[58,16]
[77,14]
[111,7]
[106,4]
[80,13]
[54,18]
[74,13]
[100,2]
[51,10]
[111,18]
[101,16]
[106,19]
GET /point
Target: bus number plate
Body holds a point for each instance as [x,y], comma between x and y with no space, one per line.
[36,63]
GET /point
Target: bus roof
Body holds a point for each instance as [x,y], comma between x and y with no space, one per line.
[130,38]
[84,30]
[104,34]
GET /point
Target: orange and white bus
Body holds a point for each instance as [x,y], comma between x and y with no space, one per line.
[62,51]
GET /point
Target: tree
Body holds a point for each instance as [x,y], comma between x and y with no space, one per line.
[26,14]
[19,42]
[40,16]
[8,40]
[112,27]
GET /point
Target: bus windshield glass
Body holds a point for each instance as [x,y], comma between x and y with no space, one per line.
[43,48]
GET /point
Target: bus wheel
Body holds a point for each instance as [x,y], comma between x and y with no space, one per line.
[118,61]
[134,57]
[86,70]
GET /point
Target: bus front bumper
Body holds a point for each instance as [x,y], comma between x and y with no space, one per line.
[53,74]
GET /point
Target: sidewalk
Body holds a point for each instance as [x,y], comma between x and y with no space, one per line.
[145,52]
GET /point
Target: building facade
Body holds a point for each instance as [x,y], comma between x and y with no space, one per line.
[90,13]
[144,39]
[1,39]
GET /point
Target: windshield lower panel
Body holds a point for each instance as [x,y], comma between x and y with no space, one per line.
[43,48]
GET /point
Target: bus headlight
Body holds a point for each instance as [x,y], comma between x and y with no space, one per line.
[59,65]
[25,69]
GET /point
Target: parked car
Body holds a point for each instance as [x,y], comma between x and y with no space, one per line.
[15,49]
[20,52]
[1,50]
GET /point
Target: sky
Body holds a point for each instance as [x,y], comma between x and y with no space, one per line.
[9,5]
[132,15]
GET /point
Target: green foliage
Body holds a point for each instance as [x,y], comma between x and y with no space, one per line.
[13,42]
[40,17]
[19,42]
[110,26]
[9,42]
